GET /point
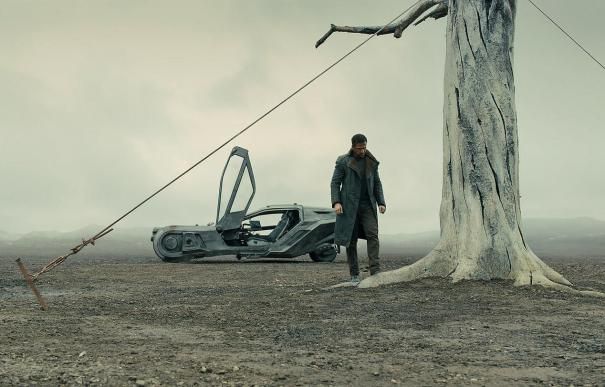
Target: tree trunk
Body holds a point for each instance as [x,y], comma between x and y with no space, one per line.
[480,211]
[481,233]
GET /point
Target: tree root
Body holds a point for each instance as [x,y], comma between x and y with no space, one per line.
[428,266]
[436,264]
[539,278]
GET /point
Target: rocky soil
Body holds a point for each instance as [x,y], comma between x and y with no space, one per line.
[138,321]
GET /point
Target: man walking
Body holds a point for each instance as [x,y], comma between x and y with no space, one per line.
[356,192]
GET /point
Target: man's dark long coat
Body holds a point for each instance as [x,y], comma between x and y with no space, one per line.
[346,190]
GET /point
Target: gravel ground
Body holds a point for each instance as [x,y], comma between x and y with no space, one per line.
[138,321]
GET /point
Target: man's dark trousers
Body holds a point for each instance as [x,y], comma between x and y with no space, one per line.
[366,218]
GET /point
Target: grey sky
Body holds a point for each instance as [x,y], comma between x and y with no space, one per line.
[102,102]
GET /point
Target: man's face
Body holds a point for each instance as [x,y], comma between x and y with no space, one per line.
[359,150]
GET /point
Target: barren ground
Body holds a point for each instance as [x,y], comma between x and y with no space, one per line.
[139,321]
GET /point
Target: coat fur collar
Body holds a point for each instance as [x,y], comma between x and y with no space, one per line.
[371,163]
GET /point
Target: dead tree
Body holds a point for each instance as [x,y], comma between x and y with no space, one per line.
[481,233]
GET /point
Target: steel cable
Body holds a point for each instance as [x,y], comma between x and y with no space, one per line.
[566,34]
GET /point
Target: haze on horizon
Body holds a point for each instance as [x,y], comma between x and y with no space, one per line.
[104,102]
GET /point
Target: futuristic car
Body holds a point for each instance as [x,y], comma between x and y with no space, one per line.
[276,231]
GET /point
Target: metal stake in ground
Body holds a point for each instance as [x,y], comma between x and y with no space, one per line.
[30,283]
[30,278]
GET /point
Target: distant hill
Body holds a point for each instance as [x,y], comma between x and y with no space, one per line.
[5,236]
[576,237]
[573,238]
[120,242]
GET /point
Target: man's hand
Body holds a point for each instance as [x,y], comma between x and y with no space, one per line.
[338,208]
[382,209]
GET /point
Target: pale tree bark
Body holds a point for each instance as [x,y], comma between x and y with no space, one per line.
[480,215]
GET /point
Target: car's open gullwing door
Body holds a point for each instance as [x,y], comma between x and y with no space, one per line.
[236,190]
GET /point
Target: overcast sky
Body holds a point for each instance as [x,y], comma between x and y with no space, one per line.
[102,102]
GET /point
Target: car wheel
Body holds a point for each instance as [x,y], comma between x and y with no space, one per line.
[325,253]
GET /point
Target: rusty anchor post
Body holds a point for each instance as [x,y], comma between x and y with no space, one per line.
[30,278]
[30,283]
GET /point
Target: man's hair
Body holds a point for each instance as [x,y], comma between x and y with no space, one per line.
[358,139]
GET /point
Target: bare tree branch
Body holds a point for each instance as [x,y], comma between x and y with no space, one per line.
[437,13]
[396,28]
